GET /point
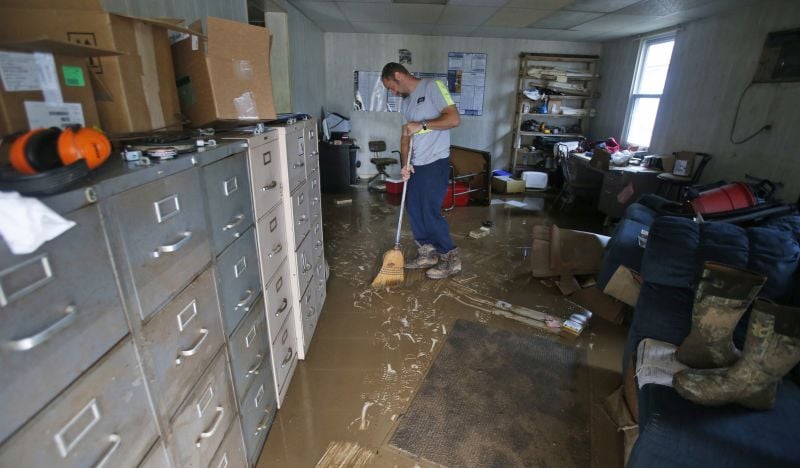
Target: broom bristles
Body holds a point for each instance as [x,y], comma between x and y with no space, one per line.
[392,269]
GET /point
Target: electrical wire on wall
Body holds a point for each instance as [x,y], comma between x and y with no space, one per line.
[736,119]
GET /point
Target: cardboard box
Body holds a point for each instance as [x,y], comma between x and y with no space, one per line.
[624,285]
[225,77]
[505,184]
[134,92]
[65,98]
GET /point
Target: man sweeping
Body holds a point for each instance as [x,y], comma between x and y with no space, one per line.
[428,115]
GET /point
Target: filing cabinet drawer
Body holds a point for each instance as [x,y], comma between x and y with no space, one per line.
[181,340]
[272,246]
[163,228]
[200,423]
[249,349]
[279,299]
[316,236]
[227,191]
[231,453]
[300,215]
[157,458]
[265,171]
[295,159]
[310,312]
[59,313]
[284,355]
[258,411]
[238,280]
[305,263]
[102,419]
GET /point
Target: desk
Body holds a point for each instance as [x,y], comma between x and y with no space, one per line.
[615,182]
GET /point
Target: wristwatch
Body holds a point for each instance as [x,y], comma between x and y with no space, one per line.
[424,124]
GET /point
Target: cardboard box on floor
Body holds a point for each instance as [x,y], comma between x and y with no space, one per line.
[505,184]
[134,92]
[225,77]
[67,98]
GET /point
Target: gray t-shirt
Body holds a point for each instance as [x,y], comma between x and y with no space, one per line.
[426,103]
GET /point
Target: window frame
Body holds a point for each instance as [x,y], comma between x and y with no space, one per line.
[633,96]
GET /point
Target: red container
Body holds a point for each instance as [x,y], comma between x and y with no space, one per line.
[462,198]
[726,198]
[394,185]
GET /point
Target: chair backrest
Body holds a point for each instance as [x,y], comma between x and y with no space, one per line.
[377,146]
[700,161]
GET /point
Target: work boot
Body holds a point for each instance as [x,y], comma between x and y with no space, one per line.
[722,297]
[449,265]
[771,349]
[426,257]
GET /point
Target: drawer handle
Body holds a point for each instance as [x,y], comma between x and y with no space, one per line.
[186,235]
[284,305]
[307,267]
[312,312]
[298,165]
[263,424]
[302,219]
[275,250]
[285,336]
[288,357]
[255,369]
[30,342]
[214,426]
[269,187]
[237,220]
[195,348]
[115,440]
[318,244]
[246,300]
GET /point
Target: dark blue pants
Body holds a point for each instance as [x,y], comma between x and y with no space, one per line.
[426,189]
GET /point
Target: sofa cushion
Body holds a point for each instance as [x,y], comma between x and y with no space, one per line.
[676,432]
[670,255]
[622,249]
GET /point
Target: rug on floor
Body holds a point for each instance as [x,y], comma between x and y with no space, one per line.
[499,398]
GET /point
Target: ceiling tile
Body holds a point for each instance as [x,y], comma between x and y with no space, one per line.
[394,28]
[464,15]
[717,7]
[661,7]
[449,30]
[392,13]
[538,4]
[599,6]
[320,12]
[516,17]
[565,19]
[335,26]
[612,22]
[510,33]
[494,3]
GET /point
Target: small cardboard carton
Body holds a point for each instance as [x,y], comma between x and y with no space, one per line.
[46,83]
[225,77]
[135,91]
[505,184]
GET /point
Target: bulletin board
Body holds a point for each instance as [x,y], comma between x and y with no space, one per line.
[370,95]
[466,81]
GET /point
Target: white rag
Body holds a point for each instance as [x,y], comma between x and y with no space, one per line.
[26,223]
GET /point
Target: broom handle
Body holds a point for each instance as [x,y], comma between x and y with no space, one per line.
[403,198]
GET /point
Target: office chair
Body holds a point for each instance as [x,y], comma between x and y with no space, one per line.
[376,182]
[679,183]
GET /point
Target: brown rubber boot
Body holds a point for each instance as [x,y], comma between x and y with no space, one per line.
[771,349]
[722,297]
[449,265]
[426,257]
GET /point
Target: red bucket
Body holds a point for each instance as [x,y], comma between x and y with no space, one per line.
[726,198]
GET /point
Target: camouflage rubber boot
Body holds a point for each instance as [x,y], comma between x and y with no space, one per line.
[722,297]
[449,265]
[426,257]
[771,349]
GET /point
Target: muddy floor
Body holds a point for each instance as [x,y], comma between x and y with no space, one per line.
[372,348]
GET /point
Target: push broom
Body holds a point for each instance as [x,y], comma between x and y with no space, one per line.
[392,269]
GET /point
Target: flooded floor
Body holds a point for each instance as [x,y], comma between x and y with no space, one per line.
[372,349]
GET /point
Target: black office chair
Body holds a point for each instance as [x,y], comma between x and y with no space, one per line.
[377,182]
[679,183]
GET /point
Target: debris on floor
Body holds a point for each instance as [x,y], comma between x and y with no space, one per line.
[575,324]
[624,285]
[343,201]
[348,454]
[483,231]
[617,411]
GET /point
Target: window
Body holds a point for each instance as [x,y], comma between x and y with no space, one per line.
[648,84]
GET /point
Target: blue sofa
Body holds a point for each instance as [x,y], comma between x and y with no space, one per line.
[674,431]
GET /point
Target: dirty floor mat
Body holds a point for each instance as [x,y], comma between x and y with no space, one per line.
[495,398]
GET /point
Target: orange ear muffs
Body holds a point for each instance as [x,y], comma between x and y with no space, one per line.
[48,148]
[83,143]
